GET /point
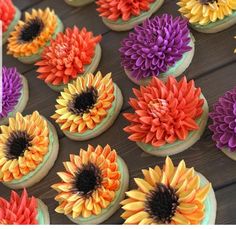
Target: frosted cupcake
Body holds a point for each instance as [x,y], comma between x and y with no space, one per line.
[122,15]
[71,54]
[160,47]
[168,118]
[15,94]
[29,37]
[224,125]
[28,150]
[23,210]
[9,15]
[209,16]
[92,186]
[170,195]
[88,106]
[78,2]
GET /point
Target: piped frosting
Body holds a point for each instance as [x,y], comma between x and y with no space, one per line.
[7,13]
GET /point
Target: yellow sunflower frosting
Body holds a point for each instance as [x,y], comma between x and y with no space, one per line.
[205,11]
[171,195]
[33,33]
[23,145]
[84,103]
[89,183]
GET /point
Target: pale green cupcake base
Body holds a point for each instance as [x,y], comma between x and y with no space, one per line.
[77,3]
[227,152]
[43,214]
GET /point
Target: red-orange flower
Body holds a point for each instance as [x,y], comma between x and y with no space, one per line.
[125,9]
[67,56]
[164,112]
[7,13]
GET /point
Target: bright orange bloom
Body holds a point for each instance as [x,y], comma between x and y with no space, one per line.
[124,9]
[7,13]
[164,112]
[89,183]
[23,145]
[67,56]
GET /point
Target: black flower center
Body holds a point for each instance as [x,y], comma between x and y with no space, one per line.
[31,30]
[161,203]
[88,179]
[84,101]
[205,2]
[18,142]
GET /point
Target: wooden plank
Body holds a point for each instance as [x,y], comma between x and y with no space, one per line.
[25,4]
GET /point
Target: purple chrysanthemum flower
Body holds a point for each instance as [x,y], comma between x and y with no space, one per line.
[224,121]
[11,90]
[155,46]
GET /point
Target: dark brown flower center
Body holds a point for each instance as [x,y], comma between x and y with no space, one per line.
[161,203]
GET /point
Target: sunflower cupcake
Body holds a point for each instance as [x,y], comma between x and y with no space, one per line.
[122,15]
[160,47]
[209,16]
[27,40]
[69,55]
[168,118]
[15,94]
[224,125]
[171,195]
[23,210]
[88,106]
[9,15]
[28,150]
[77,3]
[94,183]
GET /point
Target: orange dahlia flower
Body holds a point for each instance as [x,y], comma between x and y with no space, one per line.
[172,195]
[7,13]
[164,112]
[115,9]
[89,183]
[23,145]
[67,56]
[33,33]
[84,103]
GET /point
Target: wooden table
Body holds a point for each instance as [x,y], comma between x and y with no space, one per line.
[213,69]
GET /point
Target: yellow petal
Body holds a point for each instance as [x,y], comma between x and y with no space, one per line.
[180,219]
[187,208]
[136,194]
[143,185]
[179,171]
[136,218]
[134,206]
[203,192]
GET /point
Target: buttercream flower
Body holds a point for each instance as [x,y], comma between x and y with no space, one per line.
[70,54]
[159,47]
[88,106]
[25,147]
[23,210]
[224,125]
[209,16]
[168,117]
[171,195]
[92,186]
[30,36]
[123,15]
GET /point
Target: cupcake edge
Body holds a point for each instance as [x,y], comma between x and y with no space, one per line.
[43,212]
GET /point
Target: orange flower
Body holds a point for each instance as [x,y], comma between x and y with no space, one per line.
[164,112]
[67,56]
[23,145]
[84,103]
[89,183]
[7,13]
[124,9]
[33,33]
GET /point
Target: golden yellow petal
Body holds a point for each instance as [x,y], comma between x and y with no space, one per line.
[180,219]
[134,206]
[136,194]
[187,196]
[203,192]
[178,173]
[187,208]
[169,168]
[136,218]
[143,185]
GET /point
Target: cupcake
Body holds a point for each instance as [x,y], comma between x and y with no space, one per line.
[162,46]
[15,94]
[78,2]
[69,55]
[23,210]
[209,16]
[9,15]
[168,118]
[224,125]
[29,37]
[122,15]
[171,195]
[88,106]
[29,148]
[94,183]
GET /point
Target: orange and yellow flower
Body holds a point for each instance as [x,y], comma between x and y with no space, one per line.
[23,145]
[84,103]
[33,33]
[206,11]
[164,112]
[7,13]
[89,183]
[171,195]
